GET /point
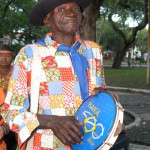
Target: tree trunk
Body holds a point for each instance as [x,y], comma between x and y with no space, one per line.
[90,16]
[118,58]
[88,27]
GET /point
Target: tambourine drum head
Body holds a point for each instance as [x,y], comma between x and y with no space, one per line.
[98,114]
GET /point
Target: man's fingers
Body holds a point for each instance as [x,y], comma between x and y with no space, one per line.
[118,130]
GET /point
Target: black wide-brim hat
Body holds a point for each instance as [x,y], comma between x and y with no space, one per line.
[43,7]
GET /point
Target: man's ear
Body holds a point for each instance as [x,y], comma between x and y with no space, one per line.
[46,21]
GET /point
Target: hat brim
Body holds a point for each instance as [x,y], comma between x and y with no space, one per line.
[41,9]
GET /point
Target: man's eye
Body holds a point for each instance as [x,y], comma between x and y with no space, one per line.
[61,9]
[77,9]
[8,57]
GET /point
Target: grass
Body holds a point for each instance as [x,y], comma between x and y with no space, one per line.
[127,77]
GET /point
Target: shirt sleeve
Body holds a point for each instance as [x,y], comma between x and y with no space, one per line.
[17,102]
[94,56]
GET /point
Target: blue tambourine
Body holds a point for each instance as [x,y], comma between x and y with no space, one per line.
[101,115]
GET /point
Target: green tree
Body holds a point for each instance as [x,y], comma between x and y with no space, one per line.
[141,41]
[125,9]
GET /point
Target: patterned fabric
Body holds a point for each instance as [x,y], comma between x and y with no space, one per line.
[59,89]
[4,81]
[3,87]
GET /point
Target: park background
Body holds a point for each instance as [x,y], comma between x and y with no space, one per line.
[120,27]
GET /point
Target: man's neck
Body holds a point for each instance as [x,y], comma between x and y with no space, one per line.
[4,70]
[67,40]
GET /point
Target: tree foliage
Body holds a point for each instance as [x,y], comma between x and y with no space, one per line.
[118,35]
[124,10]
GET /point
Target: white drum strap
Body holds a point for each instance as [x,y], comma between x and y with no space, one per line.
[35,86]
[35,79]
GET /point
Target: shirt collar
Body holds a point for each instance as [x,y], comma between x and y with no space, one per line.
[48,41]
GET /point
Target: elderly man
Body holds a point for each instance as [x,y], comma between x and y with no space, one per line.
[71,70]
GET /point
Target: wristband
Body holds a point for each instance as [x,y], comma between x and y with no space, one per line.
[4,129]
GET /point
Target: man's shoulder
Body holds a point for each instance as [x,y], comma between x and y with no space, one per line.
[91,44]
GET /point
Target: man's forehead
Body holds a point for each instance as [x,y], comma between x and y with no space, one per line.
[5,52]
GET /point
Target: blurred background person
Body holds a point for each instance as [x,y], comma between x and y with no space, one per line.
[7,138]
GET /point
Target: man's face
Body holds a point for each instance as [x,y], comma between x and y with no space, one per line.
[5,58]
[65,19]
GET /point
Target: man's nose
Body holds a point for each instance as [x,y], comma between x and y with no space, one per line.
[71,12]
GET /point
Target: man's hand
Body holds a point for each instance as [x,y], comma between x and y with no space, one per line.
[66,128]
[118,130]
[97,90]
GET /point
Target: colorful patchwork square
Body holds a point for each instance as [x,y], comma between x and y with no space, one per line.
[44,89]
[15,72]
[66,74]
[98,64]
[47,112]
[69,100]
[99,81]
[68,87]
[92,64]
[57,101]
[24,134]
[31,125]
[22,76]
[52,74]
[49,51]
[17,100]
[88,53]
[59,111]
[48,62]
[21,57]
[77,88]
[63,61]
[58,143]
[37,139]
[55,88]
[44,102]
[29,78]
[28,50]
[78,101]
[97,53]
[21,88]
[47,141]
[92,44]
[93,78]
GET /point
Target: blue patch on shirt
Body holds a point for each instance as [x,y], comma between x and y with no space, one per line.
[76,88]
[15,72]
[22,110]
[26,104]
[99,81]
[22,126]
[29,52]
[55,88]
[47,112]
[88,53]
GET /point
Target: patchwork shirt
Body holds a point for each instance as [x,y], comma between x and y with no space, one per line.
[59,92]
